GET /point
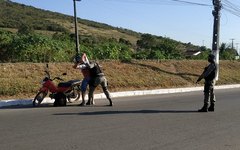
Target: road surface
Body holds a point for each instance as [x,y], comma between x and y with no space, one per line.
[156,122]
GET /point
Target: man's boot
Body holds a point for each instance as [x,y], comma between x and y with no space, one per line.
[204,108]
[110,102]
[211,108]
[82,104]
[88,102]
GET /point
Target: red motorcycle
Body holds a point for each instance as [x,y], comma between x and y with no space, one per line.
[64,91]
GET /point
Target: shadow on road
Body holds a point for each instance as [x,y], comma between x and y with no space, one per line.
[25,106]
[41,106]
[129,112]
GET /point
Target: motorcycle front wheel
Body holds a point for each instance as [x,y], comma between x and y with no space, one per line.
[74,96]
[39,98]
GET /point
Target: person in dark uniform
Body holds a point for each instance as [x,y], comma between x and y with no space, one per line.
[97,78]
[209,74]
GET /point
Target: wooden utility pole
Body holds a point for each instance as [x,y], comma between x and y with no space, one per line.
[216,28]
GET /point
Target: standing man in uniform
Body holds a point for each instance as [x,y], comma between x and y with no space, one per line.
[209,74]
[97,77]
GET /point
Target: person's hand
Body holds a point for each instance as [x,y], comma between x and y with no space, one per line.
[198,80]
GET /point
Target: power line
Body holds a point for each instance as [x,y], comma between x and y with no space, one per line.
[192,3]
[231,8]
[226,4]
[163,2]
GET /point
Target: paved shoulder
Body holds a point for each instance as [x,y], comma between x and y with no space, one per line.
[14,102]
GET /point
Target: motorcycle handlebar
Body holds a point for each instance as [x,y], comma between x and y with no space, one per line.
[58,78]
[48,74]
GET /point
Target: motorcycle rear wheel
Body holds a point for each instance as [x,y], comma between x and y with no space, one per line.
[74,96]
[39,98]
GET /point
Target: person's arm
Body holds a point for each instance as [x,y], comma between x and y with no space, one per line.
[210,68]
[200,78]
[75,65]
[90,65]
[80,66]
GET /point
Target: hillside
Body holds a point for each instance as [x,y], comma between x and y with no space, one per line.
[13,15]
[22,80]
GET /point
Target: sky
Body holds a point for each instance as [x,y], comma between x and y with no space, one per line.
[174,19]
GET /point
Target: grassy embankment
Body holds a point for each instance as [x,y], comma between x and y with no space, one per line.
[22,80]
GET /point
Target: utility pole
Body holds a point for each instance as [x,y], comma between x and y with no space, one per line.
[76,27]
[232,43]
[216,27]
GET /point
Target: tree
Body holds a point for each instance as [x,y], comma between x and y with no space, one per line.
[147,41]
[223,47]
[25,29]
[226,52]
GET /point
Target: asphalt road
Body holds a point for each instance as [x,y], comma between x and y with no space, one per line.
[158,122]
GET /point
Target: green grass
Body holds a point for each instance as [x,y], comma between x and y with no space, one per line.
[22,80]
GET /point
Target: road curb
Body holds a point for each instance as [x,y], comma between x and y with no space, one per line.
[14,102]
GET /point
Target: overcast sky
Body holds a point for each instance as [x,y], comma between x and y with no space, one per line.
[181,21]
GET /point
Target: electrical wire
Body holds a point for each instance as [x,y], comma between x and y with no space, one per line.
[163,2]
[192,3]
[226,4]
[231,8]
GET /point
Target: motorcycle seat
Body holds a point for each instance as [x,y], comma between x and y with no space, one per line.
[69,83]
[74,82]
